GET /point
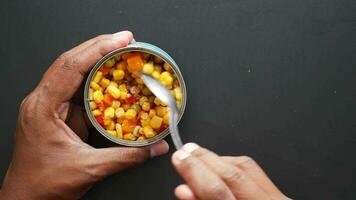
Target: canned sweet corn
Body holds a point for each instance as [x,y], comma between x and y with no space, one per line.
[119,105]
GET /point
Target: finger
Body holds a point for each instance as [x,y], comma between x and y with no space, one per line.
[183,192]
[253,170]
[204,183]
[108,161]
[67,72]
[91,41]
[76,121]
[240,183]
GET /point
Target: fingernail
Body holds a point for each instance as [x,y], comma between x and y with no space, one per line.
[180,155]
[159,148]
[190,147]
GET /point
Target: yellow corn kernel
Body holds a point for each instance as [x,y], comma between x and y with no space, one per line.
[98,96]
[144,115]
[156,74]
[146,106]
[104,82]
[129,136]
[145,122]
[145,91]
[142,100]
[166,78]
[133,89]
[161,111]
[141,138]
[157,59]
[163,74]
[116,104]
[109,113]
[118,130]
[157,68]
[111,126]
[136,131]
[148,68]
[97,112]
[122,88]
[110,63]
[152,113]
[140,131]
[97,77]
[107,121]
[95,86]
[166,118]
[156,122]
[111,132]
[114,91]
[118,74]
[158,102]
[121,65]
[123,95]
[178,93]
[136,107]
[117,57]
[130,114]
[148,131]
[92,105]
[119,112]
[90,94]
[113,83]
[166,67]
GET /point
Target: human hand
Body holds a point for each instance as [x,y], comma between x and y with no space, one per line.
[50,159]
[212,177]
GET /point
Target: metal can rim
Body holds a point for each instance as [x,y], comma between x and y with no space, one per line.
[141,47]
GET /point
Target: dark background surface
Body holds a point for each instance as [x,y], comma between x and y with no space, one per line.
[275,80]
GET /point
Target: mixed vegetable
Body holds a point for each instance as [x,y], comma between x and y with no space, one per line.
[123,105]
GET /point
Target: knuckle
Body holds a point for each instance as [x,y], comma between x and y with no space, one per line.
[24,102]
[68,61]
[217,189]
[63,57]
[247,162]
[233,175]
[27,110]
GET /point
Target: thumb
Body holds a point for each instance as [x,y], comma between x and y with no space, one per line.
[107,161]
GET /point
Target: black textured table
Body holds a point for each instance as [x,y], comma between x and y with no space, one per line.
[275,80]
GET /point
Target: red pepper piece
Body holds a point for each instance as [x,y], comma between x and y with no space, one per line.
[100,120]
[101,106]
[132,99]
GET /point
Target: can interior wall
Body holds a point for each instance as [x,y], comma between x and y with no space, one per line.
[140,47]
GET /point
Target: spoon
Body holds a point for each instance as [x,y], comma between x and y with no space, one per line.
[166,97]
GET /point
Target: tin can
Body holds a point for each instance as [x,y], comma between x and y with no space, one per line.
[135,47]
